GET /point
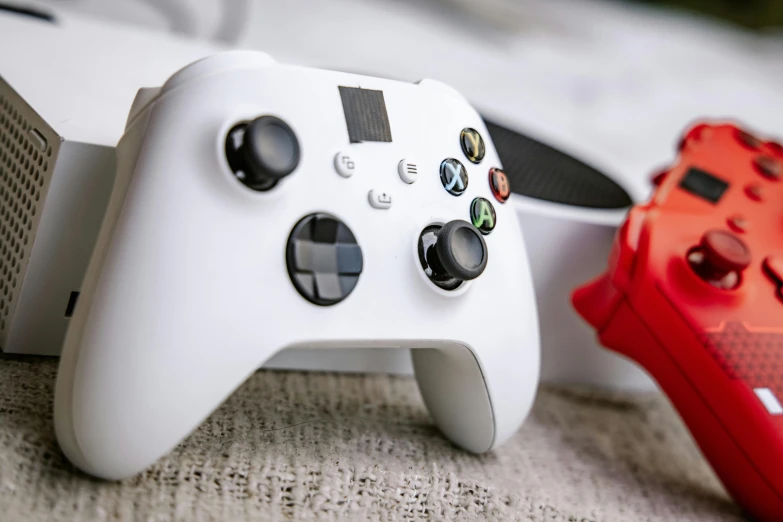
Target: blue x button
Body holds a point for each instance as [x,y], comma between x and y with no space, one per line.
[453,176]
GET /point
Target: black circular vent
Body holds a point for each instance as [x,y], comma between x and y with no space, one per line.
[539,171]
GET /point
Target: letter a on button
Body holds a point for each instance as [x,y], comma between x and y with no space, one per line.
[482,215]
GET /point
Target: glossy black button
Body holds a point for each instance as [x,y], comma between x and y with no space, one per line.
[453,176]
[262,152]
[499,184]
[482,214]
[768,167]
[453,253]
[472,144]
[747,139]
[323,258]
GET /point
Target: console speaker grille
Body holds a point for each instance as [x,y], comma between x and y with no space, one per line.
[26,161]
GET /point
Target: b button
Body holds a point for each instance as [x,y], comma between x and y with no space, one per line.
[472,144]
[498,183]
[482,215]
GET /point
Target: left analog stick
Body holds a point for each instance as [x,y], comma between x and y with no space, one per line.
[262,152]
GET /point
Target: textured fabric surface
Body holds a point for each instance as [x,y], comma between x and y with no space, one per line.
[295,446]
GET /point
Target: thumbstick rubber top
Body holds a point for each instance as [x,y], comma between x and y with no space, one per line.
[461,250]
[724,252]
[270,149]
[262,152]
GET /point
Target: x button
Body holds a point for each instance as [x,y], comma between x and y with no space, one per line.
[453,176]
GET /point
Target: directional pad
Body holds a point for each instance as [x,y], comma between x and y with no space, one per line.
[324,260]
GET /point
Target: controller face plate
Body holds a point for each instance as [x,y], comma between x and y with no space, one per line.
[693,293]
[199,277]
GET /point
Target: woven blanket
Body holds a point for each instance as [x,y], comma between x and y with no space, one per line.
[302,446]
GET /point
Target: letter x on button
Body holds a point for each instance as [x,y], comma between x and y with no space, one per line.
[453,176]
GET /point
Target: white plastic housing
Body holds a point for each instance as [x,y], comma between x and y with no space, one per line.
[568,246]
[65,91]
[188,291]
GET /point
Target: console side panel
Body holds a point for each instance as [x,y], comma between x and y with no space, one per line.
[29,152]
[65,239]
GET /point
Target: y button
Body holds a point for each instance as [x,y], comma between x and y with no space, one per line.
[472,145]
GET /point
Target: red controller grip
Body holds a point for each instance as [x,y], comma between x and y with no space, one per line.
[693,294]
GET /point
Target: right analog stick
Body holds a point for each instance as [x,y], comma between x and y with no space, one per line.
[720,254]
[453,253]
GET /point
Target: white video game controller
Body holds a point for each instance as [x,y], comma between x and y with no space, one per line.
[260,207]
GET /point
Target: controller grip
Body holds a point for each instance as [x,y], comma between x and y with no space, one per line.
[477,403]
[597,301]
[626,334]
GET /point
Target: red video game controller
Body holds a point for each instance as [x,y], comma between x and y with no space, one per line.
[693,294]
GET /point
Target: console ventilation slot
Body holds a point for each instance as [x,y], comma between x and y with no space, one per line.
[24,163]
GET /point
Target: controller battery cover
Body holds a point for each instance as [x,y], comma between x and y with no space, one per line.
[693,294]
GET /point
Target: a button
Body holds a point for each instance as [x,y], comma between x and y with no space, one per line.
[472,145]
[452,254]
[748,140]
[379,199]
[738,224]
[768,167]
[323,258]
[499,185]
[453,176]
[408,170]
[719,258]
[754,192]
[344,164]
[262,152]
[482,214]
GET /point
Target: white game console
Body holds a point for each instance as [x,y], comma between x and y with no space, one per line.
[66,85]
[259,207]
[569,212]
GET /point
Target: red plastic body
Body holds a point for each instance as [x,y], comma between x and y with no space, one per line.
[713,351]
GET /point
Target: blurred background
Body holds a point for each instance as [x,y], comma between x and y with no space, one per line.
[611,82]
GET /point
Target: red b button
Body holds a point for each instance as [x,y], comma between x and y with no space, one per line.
[498,182]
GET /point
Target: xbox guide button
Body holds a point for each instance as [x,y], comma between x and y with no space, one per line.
[262,152]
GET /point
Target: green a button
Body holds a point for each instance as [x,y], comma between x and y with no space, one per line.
[482,215]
